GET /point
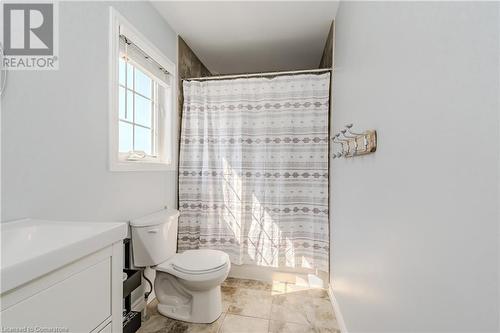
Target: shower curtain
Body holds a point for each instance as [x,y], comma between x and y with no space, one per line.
[253,170]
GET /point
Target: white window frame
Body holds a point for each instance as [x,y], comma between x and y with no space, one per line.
[155,101]
[167,126]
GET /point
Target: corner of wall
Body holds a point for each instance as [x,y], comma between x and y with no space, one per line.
[327,56]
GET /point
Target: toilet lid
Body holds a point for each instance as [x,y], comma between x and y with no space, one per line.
[199,261]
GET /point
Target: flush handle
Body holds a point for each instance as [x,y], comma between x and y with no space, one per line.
[153,231]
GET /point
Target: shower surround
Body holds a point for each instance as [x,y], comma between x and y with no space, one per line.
[253,172]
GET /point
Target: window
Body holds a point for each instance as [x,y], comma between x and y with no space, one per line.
[138,107]
[142,120]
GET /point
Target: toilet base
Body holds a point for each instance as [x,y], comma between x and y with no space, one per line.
[177,302]
[183,314]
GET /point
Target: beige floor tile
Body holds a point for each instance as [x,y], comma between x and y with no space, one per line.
[249,305]
[246,283]
[286,308]
[231,282]
[228,291]
[153,308]
[241,324]
[306,291]
[155,323]
[300,309]
[161,324]
[283,327]
[253,284]
[207,328]
[323,313]
[278,288]
[247,302]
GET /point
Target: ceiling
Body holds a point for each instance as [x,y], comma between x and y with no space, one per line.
[245,37]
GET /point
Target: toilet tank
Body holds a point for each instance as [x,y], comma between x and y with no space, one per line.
[154,237]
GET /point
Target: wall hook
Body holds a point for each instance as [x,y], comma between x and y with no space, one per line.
[355,144]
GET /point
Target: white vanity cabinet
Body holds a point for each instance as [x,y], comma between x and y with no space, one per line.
[83,294]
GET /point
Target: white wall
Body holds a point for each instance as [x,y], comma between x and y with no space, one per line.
[55,127]
[415,225]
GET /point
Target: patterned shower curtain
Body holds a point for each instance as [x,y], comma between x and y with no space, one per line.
[253,173]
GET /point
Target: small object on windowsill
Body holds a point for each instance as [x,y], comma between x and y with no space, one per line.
[136,155]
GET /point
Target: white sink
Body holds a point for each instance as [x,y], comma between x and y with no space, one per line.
[32,248]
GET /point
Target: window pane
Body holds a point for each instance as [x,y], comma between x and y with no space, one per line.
[125,137]
[142,83]
[130,76]
[143,139]
[121,71]
[121,103]
[142,111]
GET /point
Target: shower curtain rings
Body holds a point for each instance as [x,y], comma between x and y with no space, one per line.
[340,141]
[348,130]
[351,137]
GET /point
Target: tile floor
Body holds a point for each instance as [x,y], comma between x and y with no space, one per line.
[258,307]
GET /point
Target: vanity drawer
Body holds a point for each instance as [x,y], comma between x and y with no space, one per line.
[79,303]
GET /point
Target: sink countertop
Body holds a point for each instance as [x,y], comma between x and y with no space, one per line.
[32,248]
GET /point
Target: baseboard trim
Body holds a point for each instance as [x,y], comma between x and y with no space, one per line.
[336,310]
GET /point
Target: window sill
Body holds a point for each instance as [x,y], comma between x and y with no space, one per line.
[141,166]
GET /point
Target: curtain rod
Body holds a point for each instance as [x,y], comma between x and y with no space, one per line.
[130,43]
[235,76]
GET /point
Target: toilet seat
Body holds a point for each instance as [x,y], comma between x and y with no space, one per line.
[185,271]
[199,261]
[195,263]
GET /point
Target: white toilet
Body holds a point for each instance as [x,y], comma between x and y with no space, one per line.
[187,285]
